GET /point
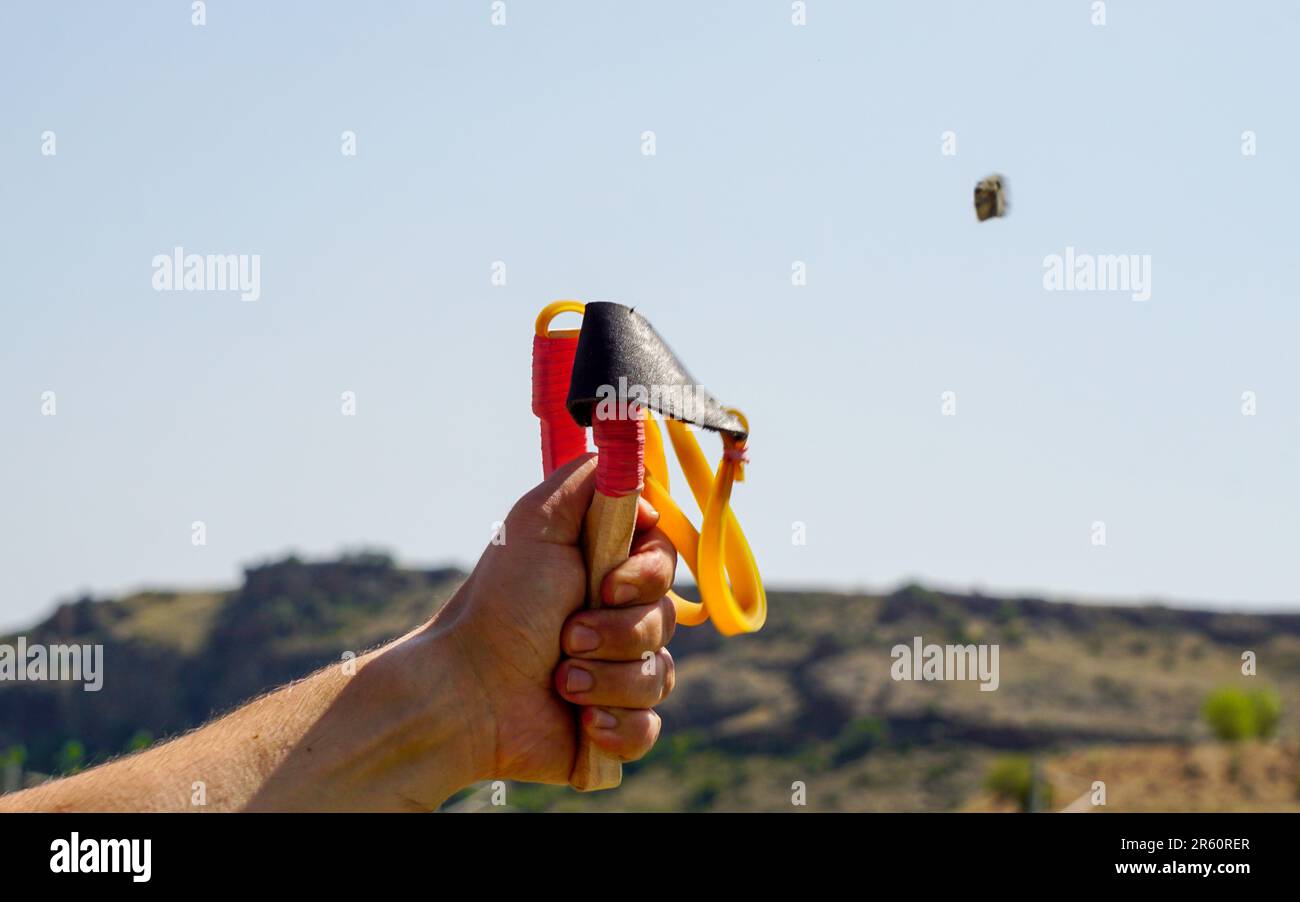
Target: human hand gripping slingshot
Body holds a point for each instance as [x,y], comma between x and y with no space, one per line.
[612,375]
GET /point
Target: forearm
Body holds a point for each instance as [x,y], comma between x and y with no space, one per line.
[388,735]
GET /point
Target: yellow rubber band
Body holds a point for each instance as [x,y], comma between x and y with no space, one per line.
[719,549]
[721,545]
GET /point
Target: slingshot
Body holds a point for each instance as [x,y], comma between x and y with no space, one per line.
[612,374]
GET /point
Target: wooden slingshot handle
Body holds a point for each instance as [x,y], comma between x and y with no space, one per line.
[606,541]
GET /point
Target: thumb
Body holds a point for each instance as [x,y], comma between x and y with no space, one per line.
[554,510]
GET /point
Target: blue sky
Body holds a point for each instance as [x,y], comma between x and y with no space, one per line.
[774,143]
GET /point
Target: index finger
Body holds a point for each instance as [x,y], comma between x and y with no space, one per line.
[646,516]
[647,574]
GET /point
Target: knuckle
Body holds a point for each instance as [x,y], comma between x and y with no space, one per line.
[669,674]
[649,685]
[643,732]
[666,569]
[654,726]
[517,520]
[671,551]
[647,576]
[643,633]
[668,617]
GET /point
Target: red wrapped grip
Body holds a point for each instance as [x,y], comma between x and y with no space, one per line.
[562,438]
[620,446]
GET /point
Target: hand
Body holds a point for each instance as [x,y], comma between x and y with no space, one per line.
[482,691]
[519,628]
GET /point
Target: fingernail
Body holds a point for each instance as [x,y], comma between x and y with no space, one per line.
[603,720]
[578,680]
[625,592]
[583,638]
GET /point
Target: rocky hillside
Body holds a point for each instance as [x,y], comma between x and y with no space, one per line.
[173,659]
[809,698]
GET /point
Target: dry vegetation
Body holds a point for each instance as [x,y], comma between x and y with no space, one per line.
[1088,692]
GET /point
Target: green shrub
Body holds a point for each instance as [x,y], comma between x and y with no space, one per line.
[1235,715]
[704,793]
[1268,711]
[857,739]
[1230,714]
[1012,778]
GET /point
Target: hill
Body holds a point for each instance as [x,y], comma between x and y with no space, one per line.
[809,698]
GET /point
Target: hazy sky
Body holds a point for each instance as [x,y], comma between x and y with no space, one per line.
[774,143]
